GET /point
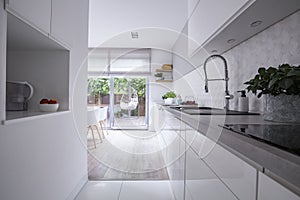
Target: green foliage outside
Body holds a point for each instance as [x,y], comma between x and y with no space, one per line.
[98,86]
[101,86]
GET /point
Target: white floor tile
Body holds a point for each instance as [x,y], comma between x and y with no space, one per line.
[146,190]
[98,190]
[212,189]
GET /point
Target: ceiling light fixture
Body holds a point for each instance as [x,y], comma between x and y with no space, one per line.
[230,41]
[256,23]
[134,35]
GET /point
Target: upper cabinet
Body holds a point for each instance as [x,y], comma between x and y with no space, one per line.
[61,21]
[209,18]
[27,10]
[217,26]
[52,17]
[191,6]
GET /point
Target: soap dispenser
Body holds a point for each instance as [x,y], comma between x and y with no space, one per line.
[243,104]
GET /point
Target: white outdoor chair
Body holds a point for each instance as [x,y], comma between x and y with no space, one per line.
[129,100]
[101,118]
[92,122]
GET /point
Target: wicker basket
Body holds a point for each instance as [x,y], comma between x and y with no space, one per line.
[167,67]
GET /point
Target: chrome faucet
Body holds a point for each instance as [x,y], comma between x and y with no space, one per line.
[228,96]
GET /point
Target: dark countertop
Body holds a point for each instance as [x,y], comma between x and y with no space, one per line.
[279,164]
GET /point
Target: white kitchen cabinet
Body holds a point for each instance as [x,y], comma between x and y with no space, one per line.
[238,175]
[209,18]
[202,182]
[181,65]
[37,53]
[191,6]
[194,140]
[35,12]
[62,21]
[173,152]
[270,189]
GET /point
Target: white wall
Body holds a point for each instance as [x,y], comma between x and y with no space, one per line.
[158,89]
[278,44]
[45,158]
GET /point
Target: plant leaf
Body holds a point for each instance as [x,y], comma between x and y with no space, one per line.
[262,70]
[286,83]
[272,82]
[294,72]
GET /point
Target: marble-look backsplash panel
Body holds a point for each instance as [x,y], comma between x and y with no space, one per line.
[278,44]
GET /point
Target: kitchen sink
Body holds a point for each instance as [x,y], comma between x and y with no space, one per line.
[194,110]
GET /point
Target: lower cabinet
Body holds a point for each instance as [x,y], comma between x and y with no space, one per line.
[192,177]
[198,168]
[173,152]
[238,175]
[270,189]
[201,182]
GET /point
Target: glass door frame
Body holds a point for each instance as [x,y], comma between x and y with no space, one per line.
[112,98]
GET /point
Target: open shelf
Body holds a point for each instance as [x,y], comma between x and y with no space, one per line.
[164,70]
[167,75]
[164,81]
[34,57]
[21,116]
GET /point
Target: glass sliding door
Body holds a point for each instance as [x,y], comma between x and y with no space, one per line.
[124,72]
[129,102]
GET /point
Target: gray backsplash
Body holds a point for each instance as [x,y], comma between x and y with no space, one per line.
[278,44]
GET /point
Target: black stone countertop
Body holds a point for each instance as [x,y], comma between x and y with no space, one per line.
[277,163]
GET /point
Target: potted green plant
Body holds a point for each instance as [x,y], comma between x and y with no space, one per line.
[169,97]
[281,89]
[159,76]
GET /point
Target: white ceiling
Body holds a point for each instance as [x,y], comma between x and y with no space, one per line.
[158,22]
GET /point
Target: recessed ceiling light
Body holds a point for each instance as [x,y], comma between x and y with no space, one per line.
[230,41]
[134,35]
[256,23]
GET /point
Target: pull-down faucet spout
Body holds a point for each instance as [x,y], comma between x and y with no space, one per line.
[227,94]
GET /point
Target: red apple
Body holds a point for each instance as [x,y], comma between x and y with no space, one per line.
[44,101]
[53,101]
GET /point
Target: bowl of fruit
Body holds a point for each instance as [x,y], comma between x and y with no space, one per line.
[49,105]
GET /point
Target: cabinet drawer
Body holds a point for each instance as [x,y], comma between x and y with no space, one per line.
[238,175]
[270,189]
[202,182]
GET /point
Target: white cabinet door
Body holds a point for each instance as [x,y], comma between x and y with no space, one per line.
[191,6]
[62,23]
[270,189]
[173,151]
[209,17]
[35,12]
[176,161]
[238,175]
[202,182]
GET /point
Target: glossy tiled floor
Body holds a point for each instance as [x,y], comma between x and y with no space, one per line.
[126,190]
[127,155]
